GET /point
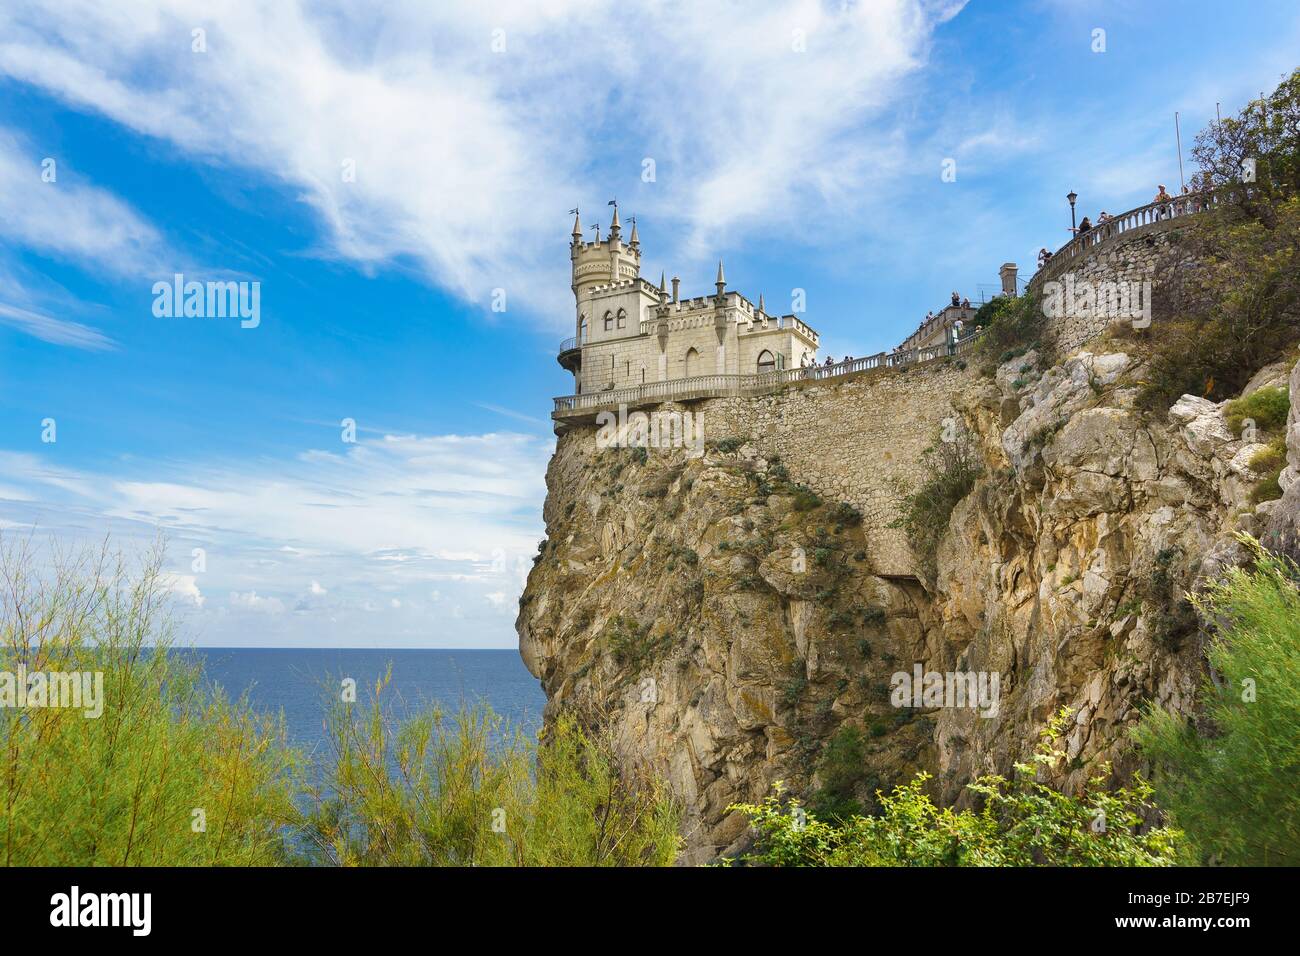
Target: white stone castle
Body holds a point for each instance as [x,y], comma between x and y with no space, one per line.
[631,333]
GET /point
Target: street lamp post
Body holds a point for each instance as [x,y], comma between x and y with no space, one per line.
[1072,196]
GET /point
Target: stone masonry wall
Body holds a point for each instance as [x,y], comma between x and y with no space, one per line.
[851,441]
[1131,257]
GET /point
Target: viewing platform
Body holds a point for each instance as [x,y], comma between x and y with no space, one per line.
[576,407]
[1153,217]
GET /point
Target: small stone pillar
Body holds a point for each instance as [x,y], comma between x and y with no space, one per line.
[1008,276]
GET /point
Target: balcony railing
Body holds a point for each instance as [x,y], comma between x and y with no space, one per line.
[1152,214]
[720,386]
[571,343]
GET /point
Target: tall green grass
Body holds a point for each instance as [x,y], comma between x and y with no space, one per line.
[174,773]
[170,774]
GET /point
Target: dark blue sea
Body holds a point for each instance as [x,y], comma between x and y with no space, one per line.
[299,683]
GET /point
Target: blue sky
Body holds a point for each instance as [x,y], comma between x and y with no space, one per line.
[814,168]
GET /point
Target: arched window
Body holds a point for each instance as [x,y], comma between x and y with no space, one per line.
[622,318]
[766,361]
[692,362]
[609,321]
[582,329]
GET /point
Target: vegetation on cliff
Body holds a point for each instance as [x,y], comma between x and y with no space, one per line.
[1231,304]
[1231,778]
[952,467]
[1022,822]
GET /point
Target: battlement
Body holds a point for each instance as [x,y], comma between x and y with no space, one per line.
[629,331]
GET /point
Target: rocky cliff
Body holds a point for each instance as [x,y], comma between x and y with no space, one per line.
[725,614]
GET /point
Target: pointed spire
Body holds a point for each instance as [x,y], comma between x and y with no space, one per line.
[663,282]
[635,240]
[577,224]
[722,279]
[761,310]
[614,227]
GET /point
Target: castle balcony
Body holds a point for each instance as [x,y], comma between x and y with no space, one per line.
[577,408]
[570,356]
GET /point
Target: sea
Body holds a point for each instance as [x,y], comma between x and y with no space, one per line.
[300,683]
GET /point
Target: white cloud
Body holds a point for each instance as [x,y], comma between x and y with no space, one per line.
[252,601]
[185,585]
[68,218]
[58,331]
[466,158]
[395,524]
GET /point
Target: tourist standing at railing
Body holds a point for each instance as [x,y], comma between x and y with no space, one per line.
[956,300]
[1044,256]
[965,303]
[1085,227]
[1164,199]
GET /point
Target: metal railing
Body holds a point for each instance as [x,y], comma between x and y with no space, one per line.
[571,343]
[721,386]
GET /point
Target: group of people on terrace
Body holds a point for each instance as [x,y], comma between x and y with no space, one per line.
[1192,198]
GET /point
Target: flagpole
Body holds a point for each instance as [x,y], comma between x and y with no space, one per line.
[1179,137]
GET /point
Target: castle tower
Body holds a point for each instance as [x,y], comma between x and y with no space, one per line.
[603,262]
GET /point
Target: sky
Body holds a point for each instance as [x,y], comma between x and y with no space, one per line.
[364,465]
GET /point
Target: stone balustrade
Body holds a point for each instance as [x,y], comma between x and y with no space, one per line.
[1152,217]
[721,386]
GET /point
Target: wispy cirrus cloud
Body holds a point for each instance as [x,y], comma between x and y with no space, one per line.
[50,210]
[57,331]
[409,539]
[455,134]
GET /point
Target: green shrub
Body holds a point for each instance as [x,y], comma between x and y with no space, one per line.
[874,616]
[845,514]
[470,791]
[1266,407]
[806,500]
[1023,822]
[1230,779]
[953,468]
[1269,462]
[1012,326]
[842,771]
[121,789]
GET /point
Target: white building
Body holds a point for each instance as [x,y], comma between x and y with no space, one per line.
[628,332]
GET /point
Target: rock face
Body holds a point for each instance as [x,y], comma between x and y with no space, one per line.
[725,623]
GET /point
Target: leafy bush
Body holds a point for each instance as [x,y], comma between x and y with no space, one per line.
[121,789]
[1266,407]
[1269,462]
[846,515]
[630,643]
[806,500]
[469,791]
[1012,326]
[953,469]
[1230,779]
[1023,823]
[842,772]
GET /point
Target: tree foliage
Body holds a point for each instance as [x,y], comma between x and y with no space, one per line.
[1023,822]
[1231,779]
